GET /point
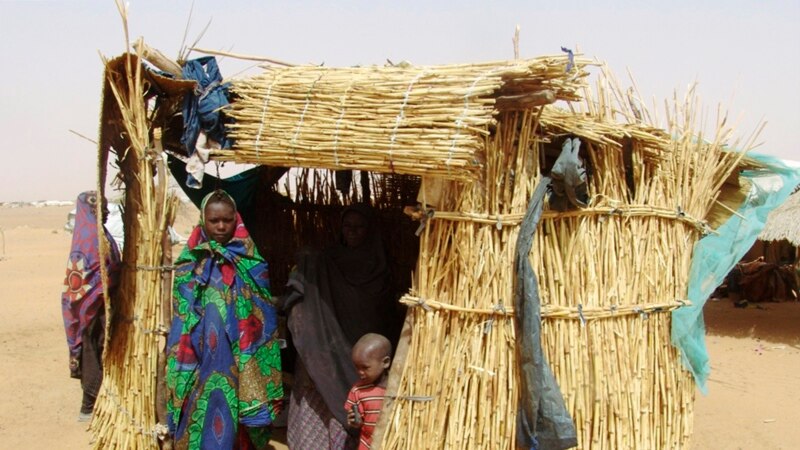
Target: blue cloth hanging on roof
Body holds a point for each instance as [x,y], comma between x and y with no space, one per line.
[202,110]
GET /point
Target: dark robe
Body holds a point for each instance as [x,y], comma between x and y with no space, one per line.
[336,297]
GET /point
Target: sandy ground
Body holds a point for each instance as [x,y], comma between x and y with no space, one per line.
[754,390]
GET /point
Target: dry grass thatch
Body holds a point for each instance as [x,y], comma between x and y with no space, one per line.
[126,414]
[784,222]
[412,120]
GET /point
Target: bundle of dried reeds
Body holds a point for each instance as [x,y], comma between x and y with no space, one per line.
[125,413]
[412,120]
[463,354]
[608,274]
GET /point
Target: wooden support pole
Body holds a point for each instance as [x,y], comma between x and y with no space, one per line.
[158,59]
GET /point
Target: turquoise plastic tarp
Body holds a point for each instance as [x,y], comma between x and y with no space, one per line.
[715,255]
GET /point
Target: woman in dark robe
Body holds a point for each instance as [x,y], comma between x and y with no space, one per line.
[336,297]
[83,299]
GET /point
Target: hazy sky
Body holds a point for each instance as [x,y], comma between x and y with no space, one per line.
[744,54]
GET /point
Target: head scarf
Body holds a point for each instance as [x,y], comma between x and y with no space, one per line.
[222,355]
[361,284]
[204,203]
[82,299]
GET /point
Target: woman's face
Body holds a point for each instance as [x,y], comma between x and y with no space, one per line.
[219,222]
[354,229]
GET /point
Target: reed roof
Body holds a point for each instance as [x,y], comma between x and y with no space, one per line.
[784,222]
[430,120]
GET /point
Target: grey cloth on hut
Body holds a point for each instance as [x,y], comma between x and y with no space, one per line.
[543,421]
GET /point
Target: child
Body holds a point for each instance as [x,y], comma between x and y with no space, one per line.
[371,358]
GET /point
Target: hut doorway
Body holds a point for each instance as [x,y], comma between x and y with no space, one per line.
[287,210]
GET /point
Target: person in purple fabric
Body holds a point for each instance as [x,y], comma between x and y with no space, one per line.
[83,298]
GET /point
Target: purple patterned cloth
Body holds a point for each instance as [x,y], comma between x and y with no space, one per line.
[311,424]
[82,299]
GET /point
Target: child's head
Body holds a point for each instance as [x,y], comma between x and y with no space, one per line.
[371,356]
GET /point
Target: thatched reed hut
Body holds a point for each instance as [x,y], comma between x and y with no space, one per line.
[770,268]
[783,223]
[466,146]
[781,233]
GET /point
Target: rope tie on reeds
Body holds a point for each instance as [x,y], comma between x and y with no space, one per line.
[701,225]
[145,331]
[159,431]
[166,268]
[411,398]
[500,220]
[423,221]
[336,128]
[499,309]
[421,302]
[583,313]
[634,211]
[303,114]
[487,326]
[264,110]
[402,115]
[161,330]
[461,118]
[497,220]
[491,373]
[129,319]
[431,305]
